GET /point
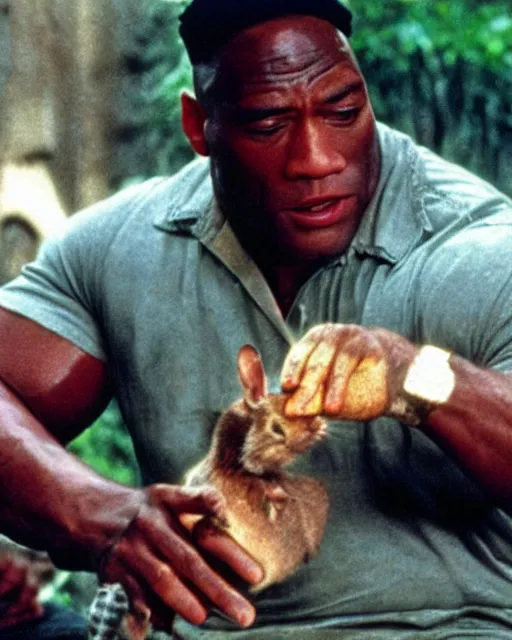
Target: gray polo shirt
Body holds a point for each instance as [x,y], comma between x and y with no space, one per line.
[154,281]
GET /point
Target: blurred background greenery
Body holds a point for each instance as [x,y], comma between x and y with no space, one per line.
[439,70]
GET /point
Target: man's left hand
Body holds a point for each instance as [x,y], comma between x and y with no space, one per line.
[346,371]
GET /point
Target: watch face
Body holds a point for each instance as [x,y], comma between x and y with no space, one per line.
[430,377]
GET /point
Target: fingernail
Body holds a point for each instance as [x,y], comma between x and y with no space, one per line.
[256,574]
[246,618]
[288,383]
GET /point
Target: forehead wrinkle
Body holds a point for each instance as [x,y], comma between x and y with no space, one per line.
[284,77]
[317,75]
[251,71]
[281,64]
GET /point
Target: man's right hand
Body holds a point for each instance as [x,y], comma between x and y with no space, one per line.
[162,566]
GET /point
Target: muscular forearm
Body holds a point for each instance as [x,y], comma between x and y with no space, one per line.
[475,426]
[51,500]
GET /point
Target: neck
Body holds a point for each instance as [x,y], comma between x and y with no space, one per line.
[285,280]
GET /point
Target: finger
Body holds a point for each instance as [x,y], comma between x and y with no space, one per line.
[142,575]
[163,580]
[336,388]
[224,548]
[295,363]
[308,398]
[136,597]
[24,606]
[184,566]
[201,500]
[302,403]
[193,568]
[26,596]
[32,609]
[137,623]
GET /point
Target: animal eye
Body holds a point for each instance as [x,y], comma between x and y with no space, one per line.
[277,430]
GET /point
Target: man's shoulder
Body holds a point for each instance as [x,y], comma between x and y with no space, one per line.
[450,180]
[156,196]
[440,191]
[136,209]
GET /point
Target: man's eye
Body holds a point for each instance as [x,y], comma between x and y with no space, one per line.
[264,128]
[343,116]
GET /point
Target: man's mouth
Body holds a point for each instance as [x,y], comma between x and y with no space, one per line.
[319,213]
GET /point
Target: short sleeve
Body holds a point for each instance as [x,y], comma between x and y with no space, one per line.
[467,294]
[57,292]
[66,287]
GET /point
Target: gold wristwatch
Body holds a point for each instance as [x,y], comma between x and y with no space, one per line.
[430,379]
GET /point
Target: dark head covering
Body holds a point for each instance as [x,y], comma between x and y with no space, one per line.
[207,25]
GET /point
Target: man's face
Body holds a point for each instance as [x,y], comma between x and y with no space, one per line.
[292,140]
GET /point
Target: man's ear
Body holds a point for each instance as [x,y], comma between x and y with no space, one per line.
[193,118]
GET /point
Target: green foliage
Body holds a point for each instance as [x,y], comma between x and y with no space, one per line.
[441,71]
[59,590]
[168,74]
[479,33]
[107,448]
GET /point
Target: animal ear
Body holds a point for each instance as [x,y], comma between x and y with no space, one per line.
[252,375]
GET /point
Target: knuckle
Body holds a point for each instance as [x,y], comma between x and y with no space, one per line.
[211,493]
[164,577]
[122,549]
[165,494]
[155,492]
[204,530]
[316,331]
[203,492]
[196,570]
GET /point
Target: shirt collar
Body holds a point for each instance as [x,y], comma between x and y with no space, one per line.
[189,203]
[395,219]
[194,211]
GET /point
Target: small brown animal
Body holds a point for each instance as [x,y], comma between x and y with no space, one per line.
[278,517]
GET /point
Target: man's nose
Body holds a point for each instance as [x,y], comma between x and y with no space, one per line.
[312,153]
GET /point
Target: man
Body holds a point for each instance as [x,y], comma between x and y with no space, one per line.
[313,215]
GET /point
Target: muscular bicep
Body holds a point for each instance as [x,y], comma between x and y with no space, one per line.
[64,387]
